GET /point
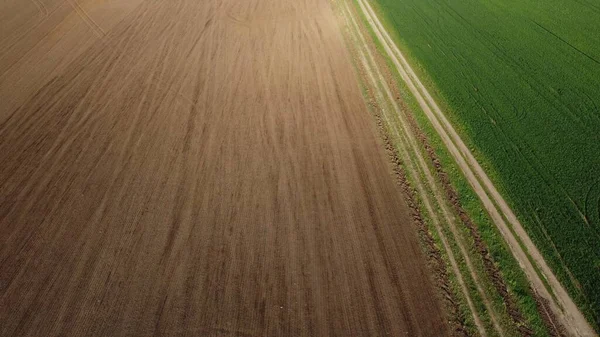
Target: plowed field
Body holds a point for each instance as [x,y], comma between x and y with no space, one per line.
[196,168]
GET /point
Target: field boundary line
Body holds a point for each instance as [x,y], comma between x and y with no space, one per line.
[563,306]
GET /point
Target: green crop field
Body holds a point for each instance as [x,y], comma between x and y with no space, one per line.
[521,80]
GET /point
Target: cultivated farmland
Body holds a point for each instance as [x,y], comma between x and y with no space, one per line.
[197,168]
[521,81]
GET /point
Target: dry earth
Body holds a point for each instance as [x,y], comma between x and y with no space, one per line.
[196,168]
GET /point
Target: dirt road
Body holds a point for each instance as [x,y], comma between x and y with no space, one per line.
[529,257]
[196,168]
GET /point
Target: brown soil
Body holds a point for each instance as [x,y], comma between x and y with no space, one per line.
[196,168]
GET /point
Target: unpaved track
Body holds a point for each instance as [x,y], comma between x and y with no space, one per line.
[196,168]
[513,232]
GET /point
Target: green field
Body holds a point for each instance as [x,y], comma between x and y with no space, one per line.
[521,80]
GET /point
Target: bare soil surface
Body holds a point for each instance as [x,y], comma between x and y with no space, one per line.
[196,168]
[557,299]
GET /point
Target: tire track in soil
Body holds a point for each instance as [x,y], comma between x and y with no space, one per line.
[449,219]
[41,7]
[87,18]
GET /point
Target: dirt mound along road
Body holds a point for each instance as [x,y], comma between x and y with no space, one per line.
[196,168]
